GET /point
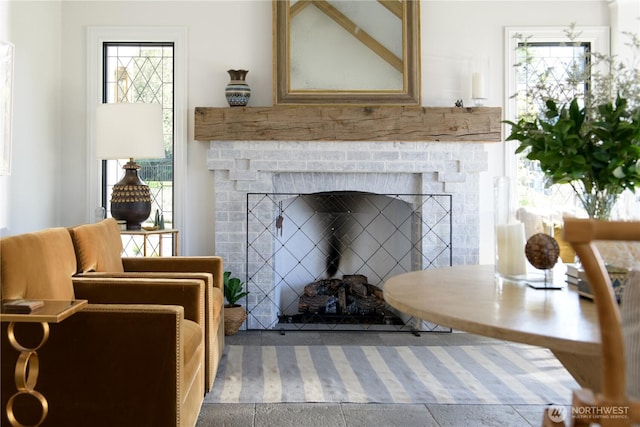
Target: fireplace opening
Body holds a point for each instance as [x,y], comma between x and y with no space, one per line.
[349,300]
[318,261]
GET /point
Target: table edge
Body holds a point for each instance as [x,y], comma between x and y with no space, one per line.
[493,331]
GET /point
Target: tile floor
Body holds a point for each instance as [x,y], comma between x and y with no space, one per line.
[369,415]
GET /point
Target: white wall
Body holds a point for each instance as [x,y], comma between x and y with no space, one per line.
[30,195]
[471,33]
[222,35]
[4,181]
[624,18]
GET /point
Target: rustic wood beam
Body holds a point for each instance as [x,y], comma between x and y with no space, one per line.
[348,123]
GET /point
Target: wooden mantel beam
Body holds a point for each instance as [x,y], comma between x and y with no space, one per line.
[348,123]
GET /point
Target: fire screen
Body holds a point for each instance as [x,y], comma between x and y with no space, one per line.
[319,261]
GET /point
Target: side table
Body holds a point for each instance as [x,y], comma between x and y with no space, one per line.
[27,366]
[152,241]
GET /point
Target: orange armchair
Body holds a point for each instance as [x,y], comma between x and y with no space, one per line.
[137,362]
[99,253]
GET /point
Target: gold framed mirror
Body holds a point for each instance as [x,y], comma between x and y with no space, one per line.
[346,52]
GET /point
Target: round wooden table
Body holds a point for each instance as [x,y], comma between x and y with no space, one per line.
[470,298]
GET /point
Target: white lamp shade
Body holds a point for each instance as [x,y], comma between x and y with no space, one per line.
[129,131]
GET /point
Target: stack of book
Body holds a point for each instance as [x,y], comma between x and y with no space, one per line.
[577,280]
[21,306]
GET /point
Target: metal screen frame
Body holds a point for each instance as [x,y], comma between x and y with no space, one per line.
[429,219]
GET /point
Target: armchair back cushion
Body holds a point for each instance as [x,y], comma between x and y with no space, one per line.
[98,246]
[38,265]
[630,316]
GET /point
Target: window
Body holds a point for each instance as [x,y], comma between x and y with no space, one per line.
[169,38]
[555,62]
[544,52]
[142,73]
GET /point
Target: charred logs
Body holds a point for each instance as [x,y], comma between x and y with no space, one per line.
[350,295]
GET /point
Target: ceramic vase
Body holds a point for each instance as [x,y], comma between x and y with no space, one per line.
[237,91]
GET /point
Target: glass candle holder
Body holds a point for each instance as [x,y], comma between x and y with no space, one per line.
[510,259]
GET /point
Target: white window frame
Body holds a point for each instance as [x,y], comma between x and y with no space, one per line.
[96,36]
[597,36]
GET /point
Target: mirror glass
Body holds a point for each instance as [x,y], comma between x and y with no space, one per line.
[346,51]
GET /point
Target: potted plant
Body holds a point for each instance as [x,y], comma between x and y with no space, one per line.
[598,156]
[592,141]
[234,314]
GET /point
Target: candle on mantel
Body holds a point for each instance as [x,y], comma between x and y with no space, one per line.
[511,259]
[477,86]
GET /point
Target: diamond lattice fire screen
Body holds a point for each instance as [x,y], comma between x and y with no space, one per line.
[319,261]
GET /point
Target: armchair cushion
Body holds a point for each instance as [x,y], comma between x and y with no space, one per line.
[630,317]
[37,265]
[193,352]
[98,246]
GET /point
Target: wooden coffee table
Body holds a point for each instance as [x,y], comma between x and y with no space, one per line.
[470,298]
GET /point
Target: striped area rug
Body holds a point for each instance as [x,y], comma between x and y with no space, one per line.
[484,374]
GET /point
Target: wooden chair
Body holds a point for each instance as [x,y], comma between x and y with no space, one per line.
[610,406]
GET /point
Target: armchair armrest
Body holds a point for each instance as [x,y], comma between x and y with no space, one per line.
[187,293]
[213,315]
[185,264]
[206,277]
[112,365]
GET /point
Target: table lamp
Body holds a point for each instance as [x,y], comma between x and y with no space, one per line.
[130,131]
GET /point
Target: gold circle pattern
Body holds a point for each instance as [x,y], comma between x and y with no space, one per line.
[27,368]
[43,402]
[26,374]
[14,341]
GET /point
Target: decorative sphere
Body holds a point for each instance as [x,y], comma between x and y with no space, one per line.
[542,251]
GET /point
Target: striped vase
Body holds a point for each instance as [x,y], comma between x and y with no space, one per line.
[237,91]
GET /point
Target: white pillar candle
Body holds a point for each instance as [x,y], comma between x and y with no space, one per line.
[511,259]
[477,86]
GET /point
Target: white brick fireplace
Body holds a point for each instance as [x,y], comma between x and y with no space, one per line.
[242,167]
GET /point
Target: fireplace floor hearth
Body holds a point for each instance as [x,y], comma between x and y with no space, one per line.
[388,318]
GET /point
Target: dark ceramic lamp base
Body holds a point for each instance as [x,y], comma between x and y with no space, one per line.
[131,198]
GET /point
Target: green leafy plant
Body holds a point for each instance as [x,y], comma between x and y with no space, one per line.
[592,141]
[599,158]
[233,288]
